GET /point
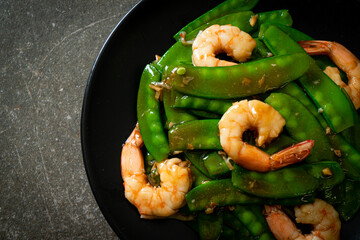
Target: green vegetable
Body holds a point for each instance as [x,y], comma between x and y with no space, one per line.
[351,203]
[218,193]
[234,223]
[229,6]
[149,116]
[196,159]
[278,16]
[215,165]
[197,134]
[209,105]
[200,114]
[239,19]
[227,233]
[210,225]
[293,181]
[241,80]
[174,116]
[178,53]
[198,177]
[302,125]
[251,216]
[338,111]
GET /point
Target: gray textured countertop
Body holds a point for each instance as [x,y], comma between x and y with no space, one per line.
[47,51]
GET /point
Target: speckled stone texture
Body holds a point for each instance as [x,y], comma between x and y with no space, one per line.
[47,49]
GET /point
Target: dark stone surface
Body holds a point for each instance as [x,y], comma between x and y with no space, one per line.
[47,49]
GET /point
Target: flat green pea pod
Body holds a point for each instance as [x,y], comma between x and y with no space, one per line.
[227,233]
[253,218]
[278,16]
[337,110]
[149,116]
[200,114]
[238,81]
[334,195]
[352,134]
[260,51]
[302,125]
[196,159]
[198,177]
[292,32]
[239,19]
[227,7]
[351,203]
[176,53]
[211,105]
[197,134]
[210,225]
[174,116]
[348,155]
[234,223]
[218,193]
[288,182]
[216,165]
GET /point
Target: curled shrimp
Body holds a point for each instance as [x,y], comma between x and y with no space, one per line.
[221,39]
[344,59]
[321,215]
[256,115]
[153,202]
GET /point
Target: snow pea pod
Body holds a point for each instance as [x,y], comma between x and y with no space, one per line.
[198,177]
[302,125]
[288,182]
[351,203]
[176,53]
[281,16]
[239,19]
[227,7]
[227,233]
[349,157]
[200,114]
[216,165]
[149,116]
[338,111]
[253,218]
[196,159]
[234,223]
[211,105]
[222,192]
[238,81]
[292,32]
[174,116]
[197,134]
[210,225]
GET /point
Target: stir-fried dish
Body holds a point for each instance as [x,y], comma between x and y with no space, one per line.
[246,128]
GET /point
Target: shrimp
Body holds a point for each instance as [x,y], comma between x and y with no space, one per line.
[321,215]
[153,202]
[256,115]
[221,39]
[344,59]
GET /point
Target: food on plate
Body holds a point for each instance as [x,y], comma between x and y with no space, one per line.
[242,126]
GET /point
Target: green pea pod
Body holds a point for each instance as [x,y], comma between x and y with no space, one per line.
[210,105]
[334,195]
[292,32]
[278,16]
[174,116]
[196,159]
[227,7]
[216,165]
[252,217]
[260,51]
[227,233]
[149,116]
[234,223]
[241,80]
[302,125]
[239,19]
[288,182]
[351,203]
[200,114]
[175,54]
[197,134]
[338,111]
[280,143]
[210,225]
[198,177]
[353,134]
[218,193]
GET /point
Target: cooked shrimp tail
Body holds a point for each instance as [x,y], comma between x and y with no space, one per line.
[256,115]
[320,215]
[293,154]
[344,59]
[152,202]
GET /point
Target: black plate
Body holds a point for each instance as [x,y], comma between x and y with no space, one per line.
[109,108]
